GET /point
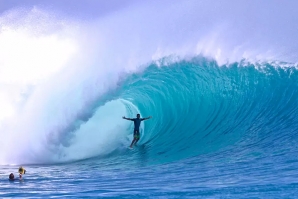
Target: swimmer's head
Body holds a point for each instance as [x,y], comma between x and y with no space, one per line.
[22,170]
[138,116]
[11,176]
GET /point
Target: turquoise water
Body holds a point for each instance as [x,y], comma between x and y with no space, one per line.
[218,131]
[220,81]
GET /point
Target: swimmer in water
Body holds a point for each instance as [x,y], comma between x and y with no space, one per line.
[21,172]
[11,176]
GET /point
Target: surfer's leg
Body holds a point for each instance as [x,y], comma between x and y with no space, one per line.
[137,137]
[132,143]
[137,141]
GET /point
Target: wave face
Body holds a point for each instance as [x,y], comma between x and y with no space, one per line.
[201,108]
[198,108]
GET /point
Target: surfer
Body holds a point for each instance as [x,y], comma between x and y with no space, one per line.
[136,131]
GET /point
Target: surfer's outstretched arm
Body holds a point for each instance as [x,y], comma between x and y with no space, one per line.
[147,118]
[127,118]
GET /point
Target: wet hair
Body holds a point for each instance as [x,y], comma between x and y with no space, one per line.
[11,176]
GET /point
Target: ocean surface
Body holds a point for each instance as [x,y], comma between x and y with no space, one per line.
[224,110]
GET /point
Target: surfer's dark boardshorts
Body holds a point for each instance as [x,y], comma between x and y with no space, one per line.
[136,134]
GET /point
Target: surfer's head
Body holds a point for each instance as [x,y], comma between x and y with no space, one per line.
[11,176]
[138,116]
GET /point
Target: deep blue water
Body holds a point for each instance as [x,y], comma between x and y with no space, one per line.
[218,131]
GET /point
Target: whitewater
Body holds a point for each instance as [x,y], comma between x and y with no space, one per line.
[220,81]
